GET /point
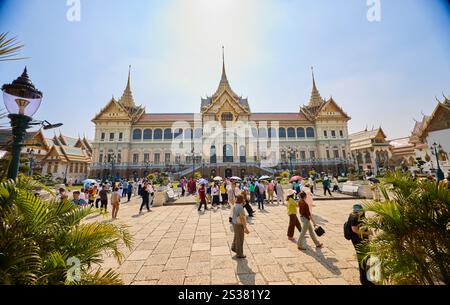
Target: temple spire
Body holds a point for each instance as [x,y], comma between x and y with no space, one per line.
[224,78]
[127,97]
[316,99]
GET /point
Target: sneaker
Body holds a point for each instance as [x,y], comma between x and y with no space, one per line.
[319,246]
[301,248]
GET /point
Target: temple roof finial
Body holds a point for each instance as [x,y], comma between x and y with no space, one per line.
[316,99]
[127,97]
[224,74]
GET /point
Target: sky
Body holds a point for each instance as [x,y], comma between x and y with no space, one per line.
[382,73]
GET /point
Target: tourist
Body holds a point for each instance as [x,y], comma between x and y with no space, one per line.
[326,186]
[297,187]
[77,200]
[252,192]
[335,184]
[270,190]
[124,188]
[231,192]
[261,188]
[247,205]
[92,194]
[305,217]
[140,187]
[215,192]
[292,213]
[151,192]
[129,190]
[202,197]
[145,194]
[83,194]
[240,227]
[115,202]
[280,193]
[183,186]
[311,184]
[103,195]
[208,194]
[355,220]
[309,200]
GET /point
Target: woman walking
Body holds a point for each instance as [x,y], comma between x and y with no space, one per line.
[305,216]
[215,195]
[223,193]
[115,202]
[292,213]
[145,198]
[280,193]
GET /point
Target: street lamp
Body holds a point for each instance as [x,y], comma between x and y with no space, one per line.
[193,163]
[291,153]
[31,160]
[22,100]
[434,150]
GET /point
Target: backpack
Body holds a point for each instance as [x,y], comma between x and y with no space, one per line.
[347,230]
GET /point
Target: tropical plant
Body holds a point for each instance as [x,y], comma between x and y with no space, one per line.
[40,240]
[412,230]
[9,47]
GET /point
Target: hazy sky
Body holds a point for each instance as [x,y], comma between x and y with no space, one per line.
[381,73]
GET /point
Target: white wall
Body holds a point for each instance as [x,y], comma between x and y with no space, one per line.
[440,137]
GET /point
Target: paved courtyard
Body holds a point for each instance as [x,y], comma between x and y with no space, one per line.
[178,245]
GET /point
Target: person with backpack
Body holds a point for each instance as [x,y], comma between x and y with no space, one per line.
[354,232]
[252,192]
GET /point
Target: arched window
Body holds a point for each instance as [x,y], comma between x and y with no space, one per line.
[198,133]
[227,117]
[227,153]
[148,134]
[178,133]
[310,132]
[282,132]
[255,132]
[137,134]
[262,132]
[291,132]
[168,134]
[157,134]
[213,154]
[242,154]
[300,132]
[188,133]
[272,132]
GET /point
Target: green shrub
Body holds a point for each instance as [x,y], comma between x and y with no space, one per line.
[40,239]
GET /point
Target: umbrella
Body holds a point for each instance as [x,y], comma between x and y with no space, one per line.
[235,178]
[265,178]
[218,178]
[202,181]
[374,180]
[89,181]
[295,178]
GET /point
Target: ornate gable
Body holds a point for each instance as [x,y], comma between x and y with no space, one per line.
[112,111]
[330,109]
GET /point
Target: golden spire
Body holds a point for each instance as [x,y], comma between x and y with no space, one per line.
[224,78]
[316,99]
[127,97]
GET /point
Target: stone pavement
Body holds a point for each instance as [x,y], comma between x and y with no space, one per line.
[178,245]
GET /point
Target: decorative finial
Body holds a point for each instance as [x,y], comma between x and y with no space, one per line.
[224,74]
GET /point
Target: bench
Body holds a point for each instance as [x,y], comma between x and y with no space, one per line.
[350,189]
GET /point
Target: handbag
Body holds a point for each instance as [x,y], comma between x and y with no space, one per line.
[319,231]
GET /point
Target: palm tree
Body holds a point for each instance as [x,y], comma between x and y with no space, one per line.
[9,47]
[412,238]
[40,239]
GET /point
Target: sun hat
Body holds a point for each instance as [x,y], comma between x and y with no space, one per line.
[290,192]
[357,207]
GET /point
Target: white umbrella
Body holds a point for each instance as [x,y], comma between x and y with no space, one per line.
[202,181]
[218,178]
[265,178]
[235,178]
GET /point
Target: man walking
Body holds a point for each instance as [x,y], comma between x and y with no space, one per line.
[261,191]
[270,189]
[326,186]
[103,194]
[240,227]
[202,196]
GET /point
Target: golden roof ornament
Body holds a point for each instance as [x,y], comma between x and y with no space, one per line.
[127,99]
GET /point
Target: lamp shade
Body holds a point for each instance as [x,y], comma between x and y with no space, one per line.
[21,96]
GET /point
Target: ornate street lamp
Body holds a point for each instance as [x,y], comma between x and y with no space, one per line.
[291,154]
[22,100]
[434,150]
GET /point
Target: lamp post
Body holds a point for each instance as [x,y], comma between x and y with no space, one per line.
[22,100]
[31,160]
[434,150]
[291,154]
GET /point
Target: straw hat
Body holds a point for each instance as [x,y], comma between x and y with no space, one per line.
[290,193]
